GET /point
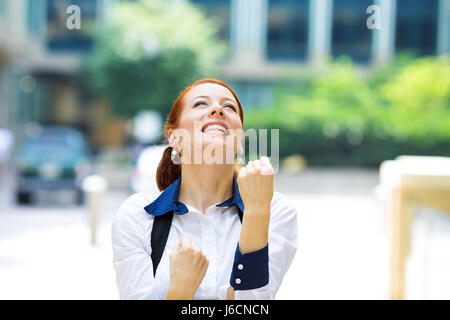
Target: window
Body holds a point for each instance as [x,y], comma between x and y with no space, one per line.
[350,35]
[2,8]
[59,37]
[220,11]
[287,31]
[36,17]
[416,27]
[253,94]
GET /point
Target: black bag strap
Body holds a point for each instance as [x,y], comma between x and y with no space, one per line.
[240,213]
[160,234]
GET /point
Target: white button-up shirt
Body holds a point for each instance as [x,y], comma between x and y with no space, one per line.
[216,233]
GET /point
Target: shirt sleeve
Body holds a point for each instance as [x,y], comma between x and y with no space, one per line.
[256,271]
[271,262]
[132,263]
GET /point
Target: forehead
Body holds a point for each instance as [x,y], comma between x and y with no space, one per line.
[212,90]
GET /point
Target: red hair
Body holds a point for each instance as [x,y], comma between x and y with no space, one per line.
[167,171]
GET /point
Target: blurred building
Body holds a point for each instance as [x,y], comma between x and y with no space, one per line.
[269,40]
[41,57]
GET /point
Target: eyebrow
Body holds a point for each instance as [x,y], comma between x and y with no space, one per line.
[209,98]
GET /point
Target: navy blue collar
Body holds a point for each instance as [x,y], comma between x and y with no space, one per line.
[168,200]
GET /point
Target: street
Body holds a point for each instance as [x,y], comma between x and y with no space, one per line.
[45,250]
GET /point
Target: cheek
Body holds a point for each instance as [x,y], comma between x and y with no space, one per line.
[235,139]
[189,118]
[187,121]
[236,124]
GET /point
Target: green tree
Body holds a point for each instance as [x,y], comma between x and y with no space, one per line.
[149,51]
[345,117]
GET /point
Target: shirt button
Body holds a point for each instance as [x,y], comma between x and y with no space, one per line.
[238,281]
[240,267]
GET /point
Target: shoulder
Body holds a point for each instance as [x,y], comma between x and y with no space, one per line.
[283,219]
[137,201]
[282,208]
[132,209]
[280,201]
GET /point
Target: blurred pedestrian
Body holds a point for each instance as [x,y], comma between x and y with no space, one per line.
[6,147]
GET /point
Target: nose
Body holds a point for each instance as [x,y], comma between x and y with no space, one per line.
[216,112]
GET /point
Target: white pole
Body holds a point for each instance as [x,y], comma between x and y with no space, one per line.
[94,188]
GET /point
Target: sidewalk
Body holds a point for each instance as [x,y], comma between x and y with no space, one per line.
[45,253]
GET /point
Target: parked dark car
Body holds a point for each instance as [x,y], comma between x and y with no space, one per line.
[53,159]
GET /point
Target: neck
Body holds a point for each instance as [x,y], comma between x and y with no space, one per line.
[204,185]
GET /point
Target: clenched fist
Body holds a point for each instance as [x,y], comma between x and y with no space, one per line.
[255,183]
[188,266]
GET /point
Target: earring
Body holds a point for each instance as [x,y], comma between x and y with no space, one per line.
[175,156]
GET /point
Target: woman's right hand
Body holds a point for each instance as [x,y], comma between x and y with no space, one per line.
[188,266]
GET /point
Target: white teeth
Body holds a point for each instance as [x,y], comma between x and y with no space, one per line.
[215,127]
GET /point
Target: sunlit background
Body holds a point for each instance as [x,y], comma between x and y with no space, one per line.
[353,89]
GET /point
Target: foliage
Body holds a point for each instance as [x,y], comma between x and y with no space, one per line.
[347,118]
[148,52]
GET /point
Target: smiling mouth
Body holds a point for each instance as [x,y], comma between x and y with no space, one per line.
[215,129]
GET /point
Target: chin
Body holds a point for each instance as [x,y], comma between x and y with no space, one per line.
[210,146]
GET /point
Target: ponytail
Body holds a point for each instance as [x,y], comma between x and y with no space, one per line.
[167,171]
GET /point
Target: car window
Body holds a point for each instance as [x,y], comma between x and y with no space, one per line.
[64,144]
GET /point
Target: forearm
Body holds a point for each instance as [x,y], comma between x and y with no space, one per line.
[255,229]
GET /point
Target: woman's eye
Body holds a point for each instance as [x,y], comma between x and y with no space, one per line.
[199,103]
[230,106]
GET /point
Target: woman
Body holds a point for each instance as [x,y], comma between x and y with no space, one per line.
[207,251]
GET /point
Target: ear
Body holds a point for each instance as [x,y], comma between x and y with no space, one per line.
[173,139]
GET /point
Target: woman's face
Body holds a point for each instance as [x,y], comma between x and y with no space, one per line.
[209,127]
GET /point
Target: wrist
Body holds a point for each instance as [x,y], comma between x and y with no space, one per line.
[176,293]
[257,209]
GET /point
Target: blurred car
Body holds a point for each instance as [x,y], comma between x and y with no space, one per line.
[52,159]
[143,176]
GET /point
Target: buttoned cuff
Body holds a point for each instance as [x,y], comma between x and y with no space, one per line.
[250,270]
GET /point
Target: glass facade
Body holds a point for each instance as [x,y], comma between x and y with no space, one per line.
[59,37]
[350,34]
[253,94]
[287,29]
[2,8]
[220,11]
[416,26]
